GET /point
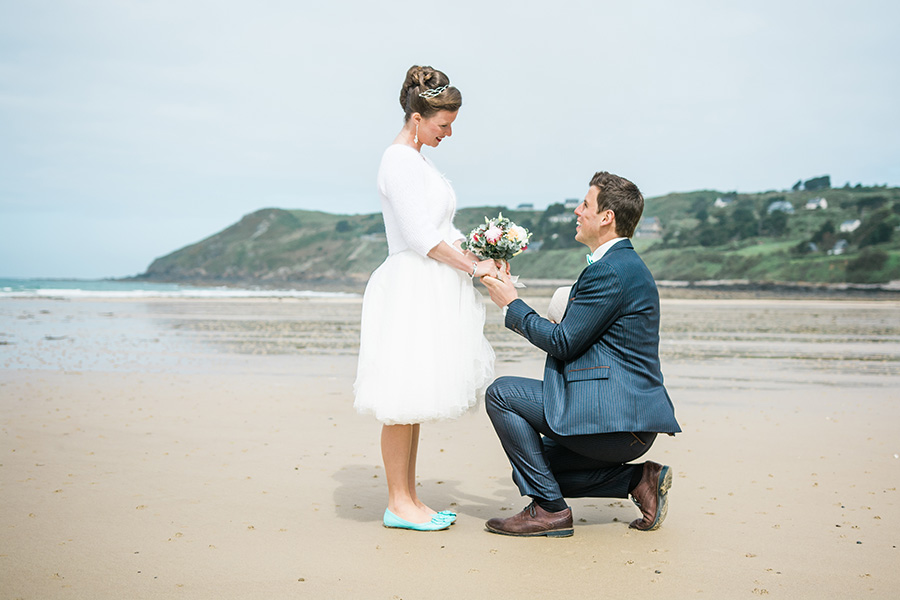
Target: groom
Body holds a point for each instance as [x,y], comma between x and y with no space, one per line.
[602,401]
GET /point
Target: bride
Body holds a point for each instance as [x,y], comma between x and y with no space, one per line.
[423,355]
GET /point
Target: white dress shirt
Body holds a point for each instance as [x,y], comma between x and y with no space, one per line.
[599,252]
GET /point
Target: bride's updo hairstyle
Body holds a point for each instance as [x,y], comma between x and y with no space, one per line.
[427,91]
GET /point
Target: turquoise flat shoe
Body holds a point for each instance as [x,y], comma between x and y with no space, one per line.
[394,522]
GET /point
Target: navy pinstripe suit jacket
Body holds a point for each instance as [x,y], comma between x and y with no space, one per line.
[602,372]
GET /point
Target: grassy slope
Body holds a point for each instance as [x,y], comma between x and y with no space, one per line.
[274,245]
[768,257]
[278,246]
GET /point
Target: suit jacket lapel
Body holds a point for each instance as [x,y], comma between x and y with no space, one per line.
[620,245]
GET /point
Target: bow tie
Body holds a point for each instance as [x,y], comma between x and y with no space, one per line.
[590,259]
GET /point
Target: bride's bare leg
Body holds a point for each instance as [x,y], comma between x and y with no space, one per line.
[397,453]
[413,453]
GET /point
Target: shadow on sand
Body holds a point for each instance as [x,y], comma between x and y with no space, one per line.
[361,495]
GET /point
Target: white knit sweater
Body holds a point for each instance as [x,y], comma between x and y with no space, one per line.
[417,202]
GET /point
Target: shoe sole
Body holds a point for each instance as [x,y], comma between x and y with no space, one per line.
[551,533]
[413,529]
[662,498]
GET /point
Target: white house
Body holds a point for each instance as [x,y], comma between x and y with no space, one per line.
[839,248]
[850,226]
[781,206]
[723,202]
[571,203]
[649,227]
[815,203]
[566,217]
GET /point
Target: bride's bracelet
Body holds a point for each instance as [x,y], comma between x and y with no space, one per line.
[474,268]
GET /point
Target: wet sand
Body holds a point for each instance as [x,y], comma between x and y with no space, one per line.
[209,449]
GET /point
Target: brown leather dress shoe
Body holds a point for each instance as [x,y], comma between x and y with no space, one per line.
[534,521]
[651,495]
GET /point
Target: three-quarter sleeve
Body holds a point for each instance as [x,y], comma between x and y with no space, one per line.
[402,180]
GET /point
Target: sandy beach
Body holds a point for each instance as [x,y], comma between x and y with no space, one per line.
[209,449]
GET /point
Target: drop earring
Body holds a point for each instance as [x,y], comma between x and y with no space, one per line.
[416,140]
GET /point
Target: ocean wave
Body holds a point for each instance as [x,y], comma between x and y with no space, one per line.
[209,294]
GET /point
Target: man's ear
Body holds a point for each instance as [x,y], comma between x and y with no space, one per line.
[608,217]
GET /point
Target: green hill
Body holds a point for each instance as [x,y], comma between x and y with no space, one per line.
[692,236]
[748,240]
[280,246]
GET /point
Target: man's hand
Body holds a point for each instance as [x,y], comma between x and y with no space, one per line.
[501,288]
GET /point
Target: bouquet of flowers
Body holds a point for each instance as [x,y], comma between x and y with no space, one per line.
[497,239]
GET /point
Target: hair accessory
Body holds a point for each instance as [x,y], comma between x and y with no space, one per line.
[433,92]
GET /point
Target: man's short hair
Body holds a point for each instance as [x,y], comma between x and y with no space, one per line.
[622,197]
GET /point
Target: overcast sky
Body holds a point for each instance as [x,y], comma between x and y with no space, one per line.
[129,129]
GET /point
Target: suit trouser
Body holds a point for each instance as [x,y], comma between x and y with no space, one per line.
[549,466]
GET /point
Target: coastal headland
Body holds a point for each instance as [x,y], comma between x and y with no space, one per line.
[803,239]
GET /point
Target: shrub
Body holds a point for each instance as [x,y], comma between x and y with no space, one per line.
[775,223]
[743,222]
[864,268]
[877,229]
[818,183]
[880,233]
[870,203]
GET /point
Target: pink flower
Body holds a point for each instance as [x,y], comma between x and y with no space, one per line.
[493,234]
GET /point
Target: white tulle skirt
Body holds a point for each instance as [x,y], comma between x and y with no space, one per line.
[422,353]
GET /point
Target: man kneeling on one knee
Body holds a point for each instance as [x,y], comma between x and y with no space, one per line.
[602,401]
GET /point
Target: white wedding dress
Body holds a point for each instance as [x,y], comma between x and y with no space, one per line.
[423,355]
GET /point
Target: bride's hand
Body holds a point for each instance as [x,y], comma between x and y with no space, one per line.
[486,268]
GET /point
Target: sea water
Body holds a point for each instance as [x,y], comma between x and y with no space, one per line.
[137,326]
[122,289]
[116,325]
